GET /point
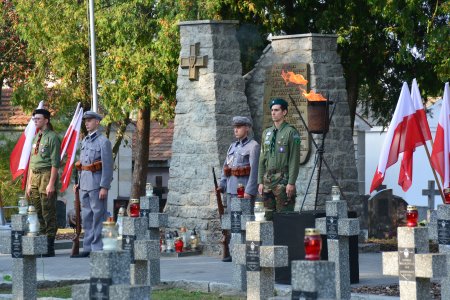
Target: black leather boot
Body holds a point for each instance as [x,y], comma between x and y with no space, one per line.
[50,247]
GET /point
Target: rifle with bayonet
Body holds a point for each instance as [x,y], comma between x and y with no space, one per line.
[225,234]
[77,205]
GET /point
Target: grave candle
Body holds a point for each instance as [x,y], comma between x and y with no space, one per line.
[119,222]
[148,189]
[411,216]
[259,211]
[240,190]
[109,236]
[33,221]
[134,208]
[179,245]
[23,205]
[447,195]
[313,244]
[335,193]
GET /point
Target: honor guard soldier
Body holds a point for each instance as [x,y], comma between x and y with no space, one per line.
[241,165]
[41,186]
[279,161]
[96,166]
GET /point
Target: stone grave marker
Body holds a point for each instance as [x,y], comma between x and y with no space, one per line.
[443,237]
[338,227]
[110,279]
[313,280]
[431,193]
[23,250]
[241,212]
[413,264]
[260,257]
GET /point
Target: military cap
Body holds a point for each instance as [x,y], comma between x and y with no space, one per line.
[239,120]
[279,101]
[42,111]
[92,115]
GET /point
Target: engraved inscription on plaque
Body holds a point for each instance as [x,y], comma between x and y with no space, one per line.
[443,227]
[303,295]
[99,288]
[16,243]
[144,212]
[128,244]
[252,256]
[332,228]
[406,264]
[236,221]
[275,87]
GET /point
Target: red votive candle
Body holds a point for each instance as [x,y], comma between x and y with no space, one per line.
[240,191]
[411,216]
[134,208]
[179,245]
[447,195]
[313,244]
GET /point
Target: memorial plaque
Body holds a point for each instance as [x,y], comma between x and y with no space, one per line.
[443,228]
[128,244]
[406,264]
[16,243]
[302,295]
[275,87]
[252,256]
[99,288]
[332,228]
[144,212]
[236,221]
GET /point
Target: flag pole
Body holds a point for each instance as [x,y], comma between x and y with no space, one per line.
[434,171]
[93,55]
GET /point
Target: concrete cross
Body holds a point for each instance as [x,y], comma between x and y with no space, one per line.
[194,61]
[338,228]
[24,250]
[313,279]
[381,187]
[431,193]
[443,237]
[240,212]
[110,278]
[413,264]
[156,220]
[261,258]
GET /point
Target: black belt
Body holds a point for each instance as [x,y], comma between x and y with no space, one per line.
[40,171]
[273,171]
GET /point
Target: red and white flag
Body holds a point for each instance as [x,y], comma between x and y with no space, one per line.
[69,132]
[441,148]
[71,147]
[402,135]
[20,156]
[420,111]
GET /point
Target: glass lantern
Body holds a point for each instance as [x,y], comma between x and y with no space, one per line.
[148,189]
[313,244]
[411,216]
[119,223]
[240,190]
[260,211]
[23,205]
[134,208]
[110,236]
[335,193]
[33,221]
[194,240]
[447,195]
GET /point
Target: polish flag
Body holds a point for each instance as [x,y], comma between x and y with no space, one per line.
[69,132]
[420,111]
[402,136]
[20,156]
[72,144]
[441,148]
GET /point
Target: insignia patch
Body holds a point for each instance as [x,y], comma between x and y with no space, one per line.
[34,146]
[281,149]
[267,142]
[269,133]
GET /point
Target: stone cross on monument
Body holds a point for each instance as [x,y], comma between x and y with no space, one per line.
[431,193]
[443,237]
[338,228]
[313,280]
[413,264]
[260,257]
[240,212]
[23,250]
[194,61]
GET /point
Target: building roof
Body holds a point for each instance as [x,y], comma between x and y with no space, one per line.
[160,142]
[11,115]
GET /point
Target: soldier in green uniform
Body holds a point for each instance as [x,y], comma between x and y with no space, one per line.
[279,161]
[41,185]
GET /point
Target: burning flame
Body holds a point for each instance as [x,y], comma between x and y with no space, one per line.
[291,77]
[313,96]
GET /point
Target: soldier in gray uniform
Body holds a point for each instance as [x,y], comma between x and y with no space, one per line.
[241,165]
[96,165]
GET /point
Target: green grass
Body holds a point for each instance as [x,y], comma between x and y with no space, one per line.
[166,294]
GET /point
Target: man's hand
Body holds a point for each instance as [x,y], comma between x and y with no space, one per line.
[260,188]
[75,186]
[50,190]
[28,191]
[103,194]
[290,190]
[219,189]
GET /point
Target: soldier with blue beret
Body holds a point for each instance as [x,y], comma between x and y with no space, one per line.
[279,161]
[96,166]
[241,164]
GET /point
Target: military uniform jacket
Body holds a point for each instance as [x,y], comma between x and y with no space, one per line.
[96,147]
[240,154]
[281,154]
[47,154]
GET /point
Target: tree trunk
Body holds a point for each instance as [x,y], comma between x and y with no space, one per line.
[352,94]
[141,150]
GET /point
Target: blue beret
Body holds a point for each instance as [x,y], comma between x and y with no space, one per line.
[42,111]
[92,115]
[238,120]
[278,101]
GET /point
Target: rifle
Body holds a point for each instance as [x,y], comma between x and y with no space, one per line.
[225,235]
[77,204]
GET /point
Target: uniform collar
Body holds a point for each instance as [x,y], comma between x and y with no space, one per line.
[92,136]
[243,141]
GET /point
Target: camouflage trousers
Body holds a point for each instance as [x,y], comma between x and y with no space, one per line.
[45,207]
[274,194]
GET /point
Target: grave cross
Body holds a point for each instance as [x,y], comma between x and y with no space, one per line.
[240,212]
[380,187]
[313,280]
[194,61]
[443,237]
[338,228]
[413,264]
[260,257]
[24,250]
[431,193]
